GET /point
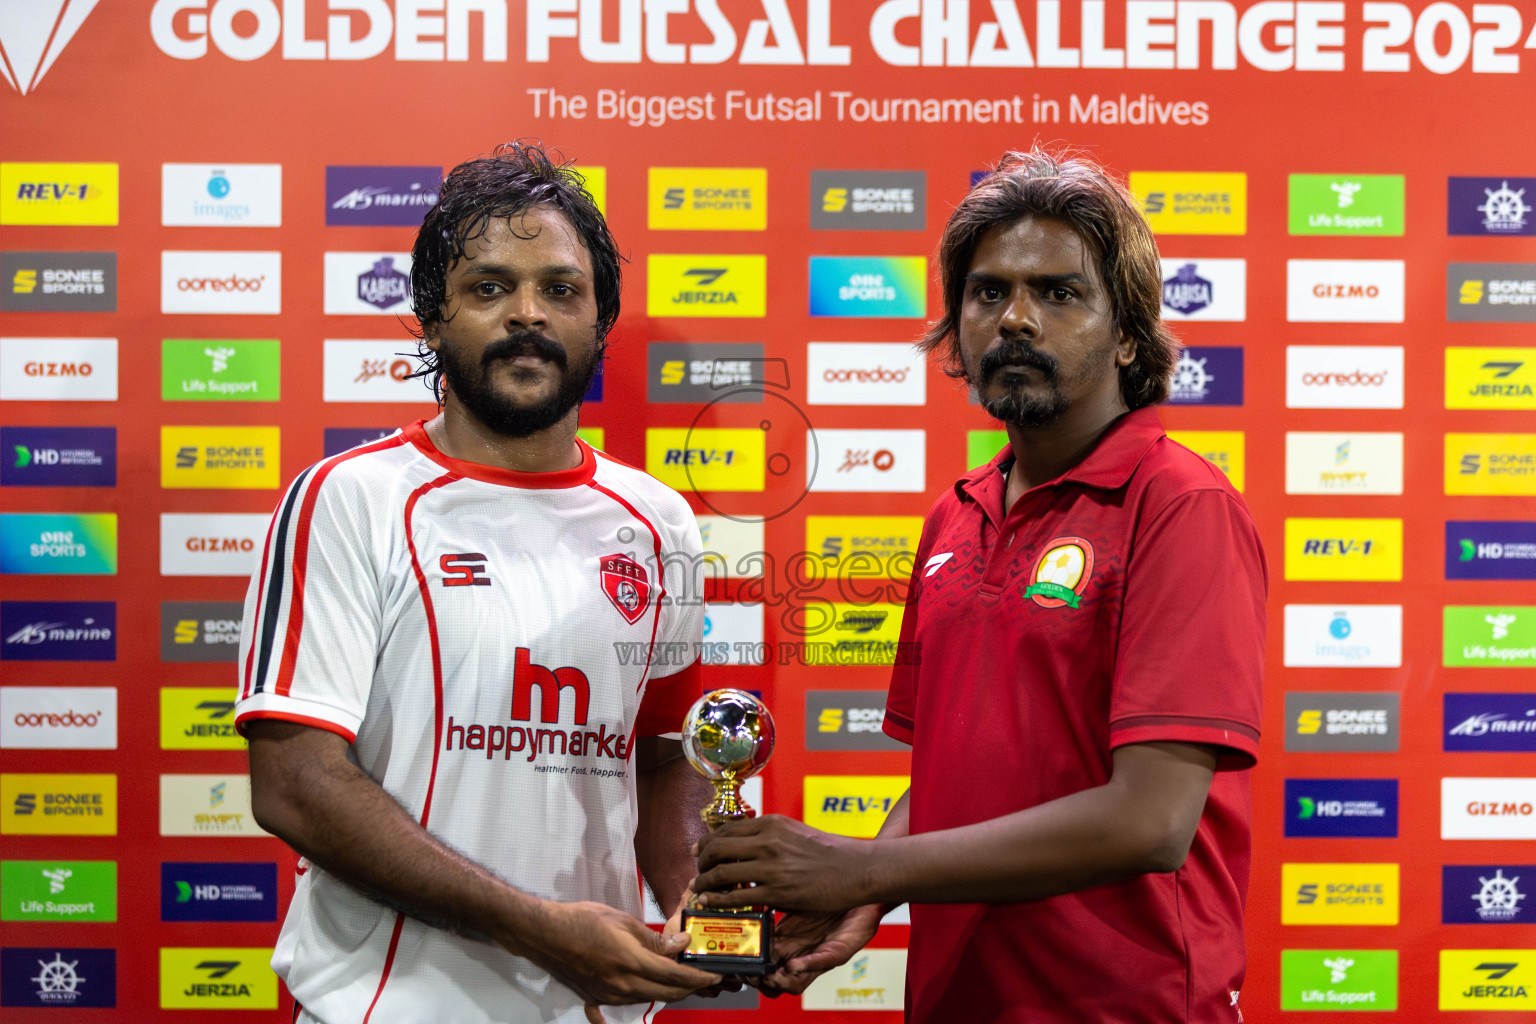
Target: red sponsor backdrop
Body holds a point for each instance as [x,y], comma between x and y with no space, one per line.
[140,84]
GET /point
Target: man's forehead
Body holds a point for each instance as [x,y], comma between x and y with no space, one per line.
[541,228]
[1043,240]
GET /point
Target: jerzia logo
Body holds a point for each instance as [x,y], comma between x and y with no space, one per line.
[626,585]
[1061,573]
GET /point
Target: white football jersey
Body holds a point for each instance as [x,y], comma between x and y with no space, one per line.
[491,642]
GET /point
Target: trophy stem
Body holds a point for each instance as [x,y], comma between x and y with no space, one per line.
[728,804]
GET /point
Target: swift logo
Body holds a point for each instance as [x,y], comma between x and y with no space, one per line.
[33,36]
[464,570]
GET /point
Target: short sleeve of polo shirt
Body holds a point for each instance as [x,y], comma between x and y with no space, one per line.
[674,681]
[1190,656]
[901,701]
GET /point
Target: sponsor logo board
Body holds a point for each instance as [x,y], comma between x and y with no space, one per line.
[1490,378]
[1359,462]
[1343,636]
[198,718]
[219,457]
[1207,376]
[873,979]
[866,461]
[221,195]
[220,370]
[200,630]
[58,194]
[869,200]
[1343,377]
[733,634]
[839,633]
[1485,550]
[83,544]
[221,282]
[706,285]
[1490,292]
[733,546]
[58,631]
[58,717]
[869,286]
[706,458]
[707,199]
[1339,893]
[1487,979]
[847,720]
[1338,979]
[211,544]
[58,805]
[58,977]
[1485,893]
[1490,206]
[725,372]
[368,283]
[862,547]
[1224,449]
[207,805]
[1200,289]
[1487,808]
[1490,464]
[1332,721]
[1504,722]
[58,282]
[1346,204]
[58,456]
[1192,203]
[1361,808]
[217,979]
[1344,549]
[865,373]
[220,891]
[852,805]
[58,369]
[1489,637]
[1344,291]
[398,196]
[58,890]
[372,371]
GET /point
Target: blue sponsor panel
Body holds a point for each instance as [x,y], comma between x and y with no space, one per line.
[1500,722]
[1207,375]
[397,196]
[1490,206]
[595,390]
[1497,550]
[58,977]
[1486,893]
[1355,808]
[340,439]
[58,456]
[210,891]
[58,631]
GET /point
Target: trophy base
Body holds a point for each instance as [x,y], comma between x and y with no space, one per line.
[728,941]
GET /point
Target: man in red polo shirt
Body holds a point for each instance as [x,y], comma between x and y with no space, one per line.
[1089,612]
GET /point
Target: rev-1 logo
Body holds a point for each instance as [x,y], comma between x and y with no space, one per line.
[466,569]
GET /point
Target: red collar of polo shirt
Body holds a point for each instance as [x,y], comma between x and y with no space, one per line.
[1108,466]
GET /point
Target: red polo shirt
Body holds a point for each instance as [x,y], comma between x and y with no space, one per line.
[1122,602]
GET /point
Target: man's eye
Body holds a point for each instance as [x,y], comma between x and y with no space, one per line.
[487,288]
[561,289]
[1061,294]
[988,293]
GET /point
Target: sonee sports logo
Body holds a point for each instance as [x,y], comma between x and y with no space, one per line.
[466,569]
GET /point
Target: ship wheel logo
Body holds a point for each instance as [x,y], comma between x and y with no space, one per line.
[57,981]
[1498,900]
[1505,209]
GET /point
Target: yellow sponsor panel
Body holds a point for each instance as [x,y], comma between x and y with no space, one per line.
[592,435]
[1490,464]
[58,194]
[223,457]
[706,285]
[852,805]
[58,805]
[595,181]
[1187,203]
[1223,448]
[851,634]
[1490,378]
[1339,893]
[1488,979]
[1368,550]
[862,547]
[198,718]
[708,199]
[706,458]
[217,978]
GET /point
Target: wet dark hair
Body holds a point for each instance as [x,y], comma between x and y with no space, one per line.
[1077,192]
[513,179]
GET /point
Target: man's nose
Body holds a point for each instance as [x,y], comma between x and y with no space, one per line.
[526,308]
[1021,316]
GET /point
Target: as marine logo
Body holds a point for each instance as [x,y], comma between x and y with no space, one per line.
[1061,573]
[626,584]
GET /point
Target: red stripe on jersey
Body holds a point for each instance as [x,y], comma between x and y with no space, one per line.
[250,656]
[667,701]
[661,587]
[437,654]
[285,716]
[389,961]
[301,559]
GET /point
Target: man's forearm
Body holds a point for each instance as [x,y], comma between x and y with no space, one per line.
[670,795]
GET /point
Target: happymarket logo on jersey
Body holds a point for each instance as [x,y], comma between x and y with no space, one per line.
[221,195]
[397,196]
[1490,378]
[1338,979]
[1343,636]
[869,286]
[58,369]
[219,457]
[1346,204]
[58,456]
[869,200]
[1339,463]
[1192,203]
[1490,464]
[58,194]
[58,282]
[1205,289]
[83,544]
[1207,376]
[1490,550]
[707,199]
[210,370]
[1483,636]
[1485,893]
[57,977]
[1332,721]
[1359,808]
[58,631]
[1490,292]
[221,891]
[1500,722]
[58,805]
[706,285]
[1489,206]
[58,890]
[217,979]
[1339,893]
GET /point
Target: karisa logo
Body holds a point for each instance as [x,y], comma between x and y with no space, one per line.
[397,370]
[383,286]
[33,34]
[1061,573]
[1186,291]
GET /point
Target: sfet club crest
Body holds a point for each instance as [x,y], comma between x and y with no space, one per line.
[627,585]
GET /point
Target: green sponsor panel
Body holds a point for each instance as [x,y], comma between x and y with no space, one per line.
[1346,204]
[982,445]
[220,370]
[1338,979]
[1489,637]
[58,890]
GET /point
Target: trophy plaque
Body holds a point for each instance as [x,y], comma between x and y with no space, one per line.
[727,737]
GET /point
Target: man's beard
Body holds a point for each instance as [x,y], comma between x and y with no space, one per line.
[1014,407]
[470,383]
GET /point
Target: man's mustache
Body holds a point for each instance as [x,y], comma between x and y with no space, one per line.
[1018,354]
[524,343]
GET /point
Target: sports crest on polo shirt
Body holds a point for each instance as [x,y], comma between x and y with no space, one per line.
[627,585]
[1061,573]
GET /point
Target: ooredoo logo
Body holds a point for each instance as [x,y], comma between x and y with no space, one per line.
[875,373]
[58,369]
[1344,377]
[1344,291]
[221,282]
[58,717]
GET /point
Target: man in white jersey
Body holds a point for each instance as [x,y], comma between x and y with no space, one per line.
[440,719]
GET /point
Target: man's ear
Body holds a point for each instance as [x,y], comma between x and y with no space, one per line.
[1125,350]
[429,336]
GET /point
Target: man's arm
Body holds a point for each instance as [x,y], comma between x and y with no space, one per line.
[306,791]
[1143,820]
[670,794]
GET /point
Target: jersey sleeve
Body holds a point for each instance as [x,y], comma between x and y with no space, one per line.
[675,679]
[311,629]
[1190,660]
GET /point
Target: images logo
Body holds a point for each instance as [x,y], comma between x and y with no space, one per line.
[221,195]
[707,285]
[1490,464]
[58,456]
[207,805]
[58,977]
[1487,979]
[869,200]
[730,373]
[864,373]
[217,370]
[1487,808]
[1344,291]
[215,544]
[1364,808]
[1344,636]
[1489,206]
[1346,204]
[706,458]
[217,979]
[58,369]
[1491,292]
[58,631]
[74,545]
[58,194]
[222,891]
[1339,893]
[200,630]
[846,720]
[1338,979]
[58,805]
[1502,550]
[866,461]
[1341,722]
[221,282]
[54,890]
[1344,377]
[399,196]
[1353,463]
[1485,894]
[1503,722]
[1222,448]
[863,547]
[869,286]
[58,282]
[1490,378]
[1201,289]
[851,805]
[58,717]
[198,718]
[707,199]
[1187,203]
[33,37]
[1207,376]
[219,457]
[1344,549]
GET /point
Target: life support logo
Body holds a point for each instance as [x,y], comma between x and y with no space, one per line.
[627,585]
[1061,573]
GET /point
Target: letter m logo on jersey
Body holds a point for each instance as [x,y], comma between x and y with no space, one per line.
[627,585]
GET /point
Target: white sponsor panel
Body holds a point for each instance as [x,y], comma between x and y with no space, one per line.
[1344,291]
[1343,635]
[1344,376]
[733,634]
[368,283]
[58,369]
[1487,808]
[372,371]
[211,544]
[874,979]
[1343,463]
[58,717]
[866,461]
[207,805]
[1196,289]
[221,195]
[730,544]
[221,282]
[865,373]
